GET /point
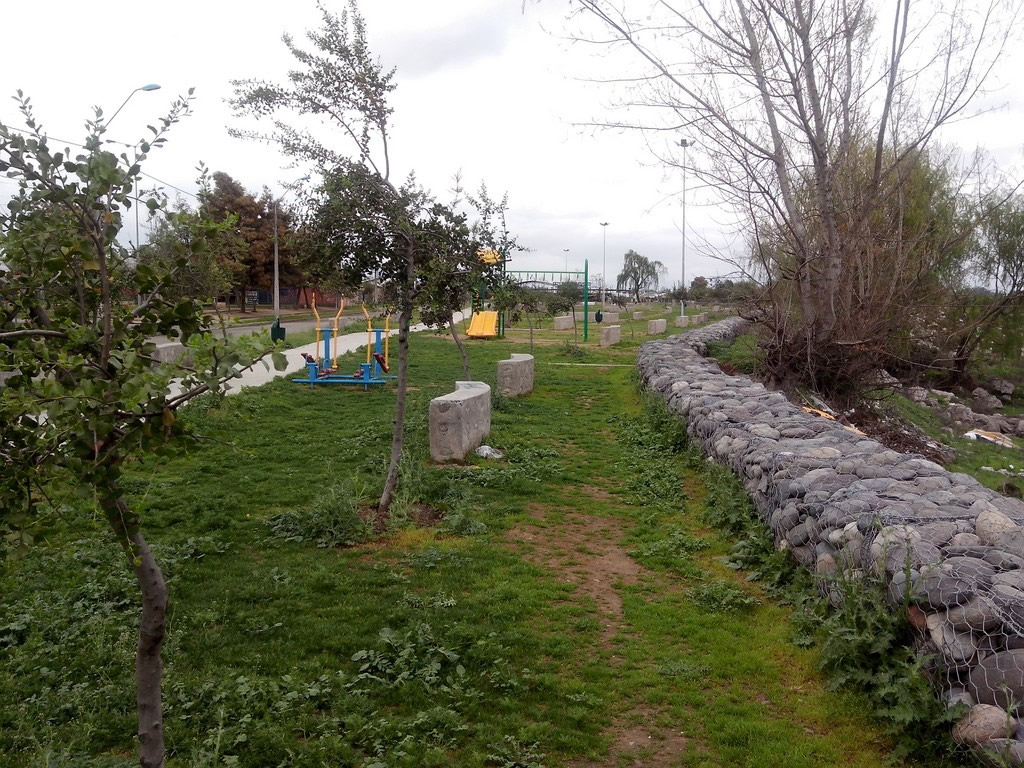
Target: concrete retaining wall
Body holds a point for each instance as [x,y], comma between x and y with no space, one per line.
[563,323]
[654,327]
[840,502]
[459,421]
[611,334]
[515,375]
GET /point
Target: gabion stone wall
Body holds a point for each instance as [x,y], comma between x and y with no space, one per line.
[840,502]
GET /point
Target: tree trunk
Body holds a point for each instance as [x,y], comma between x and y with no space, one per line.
[575,337]
[462,349]
[148,664]
[391,483]
[152,628]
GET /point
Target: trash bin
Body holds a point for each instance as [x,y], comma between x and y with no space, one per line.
[277,331]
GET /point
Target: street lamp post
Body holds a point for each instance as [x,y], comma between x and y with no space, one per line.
[147,88]
[604,260]
[684,143]
[277,280]
[566,252]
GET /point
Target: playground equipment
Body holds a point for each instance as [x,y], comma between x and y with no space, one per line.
[324,369]
[483,325]
[550,280]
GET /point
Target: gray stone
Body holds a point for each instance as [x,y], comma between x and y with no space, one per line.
[1003,670]
[971,568]
[938,588]
[681,321]
[978,613]
[1013,579]
[955,696]
[937,533]
[982,723]
[965,540]
[798,535]
[459,421]
[955,645]
[999,530]
[1002,753]
[515,375]
[610,335]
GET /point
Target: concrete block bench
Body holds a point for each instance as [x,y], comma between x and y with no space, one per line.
[654,327]
[611,334]
[563,323]
[459,421]
[610,317]
[682,321]
[515,375]
[701,318]
[638,315]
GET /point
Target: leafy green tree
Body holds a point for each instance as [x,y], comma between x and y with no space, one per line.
[88,396]
[362,222]
[990,287]
[207,249]
[565,298]
[698,288]
[638,274]
[253,220]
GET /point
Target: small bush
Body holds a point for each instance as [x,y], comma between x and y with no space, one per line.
[331,521]
[722,597]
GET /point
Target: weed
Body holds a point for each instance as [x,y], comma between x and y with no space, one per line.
[722,597]
[572,350]
[331,521]
[512,753]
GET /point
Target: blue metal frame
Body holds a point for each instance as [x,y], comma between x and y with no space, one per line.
[371,374]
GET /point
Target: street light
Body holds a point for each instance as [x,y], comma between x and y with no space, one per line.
[684,143]
[277,282]
[566,252]
[147,88]
[604,260]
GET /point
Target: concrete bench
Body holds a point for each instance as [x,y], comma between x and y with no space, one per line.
[638,315]
[459,421]
[701,318]
[515,375]
[611,334]
[654,327]
[682,321]
[563,323]
[610,317]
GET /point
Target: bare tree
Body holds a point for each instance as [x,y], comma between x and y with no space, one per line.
[810,134]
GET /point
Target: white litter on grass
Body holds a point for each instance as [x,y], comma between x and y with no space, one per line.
[486,452]
[990,437]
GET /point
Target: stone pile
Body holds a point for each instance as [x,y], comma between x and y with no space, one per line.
[840,502]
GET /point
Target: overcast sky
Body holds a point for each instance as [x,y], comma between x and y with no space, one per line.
[483,88]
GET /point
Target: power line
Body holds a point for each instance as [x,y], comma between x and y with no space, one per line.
[112,141]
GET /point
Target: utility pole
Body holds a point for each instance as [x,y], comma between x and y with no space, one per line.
[604,261]
[684,143]
[566,252]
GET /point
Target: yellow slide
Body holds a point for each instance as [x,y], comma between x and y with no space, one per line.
[483,325]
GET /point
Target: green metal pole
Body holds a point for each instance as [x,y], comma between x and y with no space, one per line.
[586,297]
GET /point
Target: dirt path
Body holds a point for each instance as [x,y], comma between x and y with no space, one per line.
[586,551]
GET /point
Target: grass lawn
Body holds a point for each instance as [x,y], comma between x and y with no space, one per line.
[572,608]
